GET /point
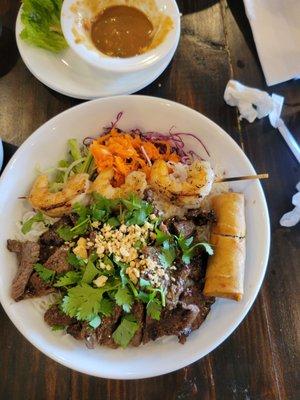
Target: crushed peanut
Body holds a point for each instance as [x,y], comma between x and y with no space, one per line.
[122,243]
[100,281]
[81,249]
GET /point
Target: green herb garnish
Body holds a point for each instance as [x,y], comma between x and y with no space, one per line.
[27,225]
[124,298]
[47,275]
[125,331]
[70,278]
[188,248]
[154,308]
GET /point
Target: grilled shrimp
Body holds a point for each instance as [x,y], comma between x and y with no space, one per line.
[185,185]
[59,203]
[135,182]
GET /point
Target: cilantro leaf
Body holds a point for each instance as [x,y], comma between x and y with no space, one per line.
[188,250]
[144,297]
[81,211]
[67,233]
[137,210]
[113,222]
[90,272]
[125,331]
[167,255]
[75,261]
[47,275]
[106,307]
[124,298]
[154,308]
[27,225]
[97,214]
[161,236]
[57,328]
[69,278]
[95,322]
[82,302]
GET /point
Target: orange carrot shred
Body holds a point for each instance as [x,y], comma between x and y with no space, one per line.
[124,153]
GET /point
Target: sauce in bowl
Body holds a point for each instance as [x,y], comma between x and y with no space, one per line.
[122,31]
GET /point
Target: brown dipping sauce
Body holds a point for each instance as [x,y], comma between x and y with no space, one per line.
[122,31]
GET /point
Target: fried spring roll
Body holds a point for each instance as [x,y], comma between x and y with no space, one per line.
[230,213]
[225,270]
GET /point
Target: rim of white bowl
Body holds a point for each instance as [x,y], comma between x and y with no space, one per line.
[159,369]
[115,64]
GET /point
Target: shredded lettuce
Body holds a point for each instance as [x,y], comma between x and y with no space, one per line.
[41,20]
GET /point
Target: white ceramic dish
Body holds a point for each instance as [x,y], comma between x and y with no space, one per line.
[66,73]
[71,21]
[45,147]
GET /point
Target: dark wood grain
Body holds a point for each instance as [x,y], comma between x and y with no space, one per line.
[260,361]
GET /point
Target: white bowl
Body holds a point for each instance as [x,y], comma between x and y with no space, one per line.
[71,20]
[45,147]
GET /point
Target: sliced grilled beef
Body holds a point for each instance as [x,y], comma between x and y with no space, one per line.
[177,286]
[194,295]
[36,287]
[184,227]
[138,311]
[75,330]
[201,217]
[192,316]
[176,322]
[51,237]
[58,262]
[54,316]
[108,326]
[198,267]
[82,331]
[46,251]
[28,255]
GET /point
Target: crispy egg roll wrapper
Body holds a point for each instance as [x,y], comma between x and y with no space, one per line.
[225,270]
[230,213]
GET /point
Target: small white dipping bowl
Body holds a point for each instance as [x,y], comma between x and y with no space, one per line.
[73,15]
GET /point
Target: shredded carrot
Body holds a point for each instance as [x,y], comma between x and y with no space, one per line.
[125,153]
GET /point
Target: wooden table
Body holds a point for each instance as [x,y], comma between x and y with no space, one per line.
[261,358]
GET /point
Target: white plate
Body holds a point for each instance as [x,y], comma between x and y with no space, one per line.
[1,154]
[68,74]
[45,147]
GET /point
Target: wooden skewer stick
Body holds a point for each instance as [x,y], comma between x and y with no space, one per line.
[242,178]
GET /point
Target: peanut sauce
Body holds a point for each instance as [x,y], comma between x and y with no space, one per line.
[122,31]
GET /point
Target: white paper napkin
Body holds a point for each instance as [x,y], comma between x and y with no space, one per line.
[276,29]
[254,103]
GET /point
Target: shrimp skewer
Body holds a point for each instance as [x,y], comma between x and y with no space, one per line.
[183,185]
[135,182]
[60,203]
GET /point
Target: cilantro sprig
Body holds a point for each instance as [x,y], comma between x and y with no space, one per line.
[138,210]
[188,248]
[27,225]
[46,274]
[125,331]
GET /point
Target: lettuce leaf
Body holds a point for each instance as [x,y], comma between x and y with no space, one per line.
[41,20]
